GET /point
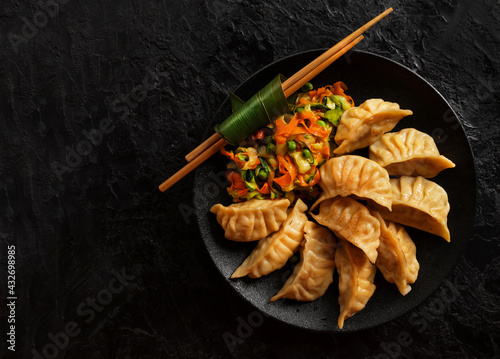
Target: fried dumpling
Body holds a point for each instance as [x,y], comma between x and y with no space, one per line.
[356,276]
[352,221]
[273,252]
[420,203]
[397,255]
[409,153]
[361,126]
[251,220]
[314,273]
[354,175]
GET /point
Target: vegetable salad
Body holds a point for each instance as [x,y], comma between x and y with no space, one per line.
[282,159]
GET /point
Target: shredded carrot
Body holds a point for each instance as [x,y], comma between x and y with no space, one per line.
[237,184]
[314,128]
[251,163]
[326,93]
[304,101]
[284,131]
[302,180]
[290,172]
[324,152]
[316,179]
[318,95]
[338,89]
[240,163]
[265,189]
[298,126]
[229,155]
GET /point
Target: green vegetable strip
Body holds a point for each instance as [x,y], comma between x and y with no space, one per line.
[262,108]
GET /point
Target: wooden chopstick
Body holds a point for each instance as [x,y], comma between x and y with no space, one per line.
[303,76]
[308,77]
[202,147]
[214,143]
[322,58]
[212,150]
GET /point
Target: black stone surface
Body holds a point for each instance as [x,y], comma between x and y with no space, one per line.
[100,101]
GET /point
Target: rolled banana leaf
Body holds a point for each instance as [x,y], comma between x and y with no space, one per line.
[263,107]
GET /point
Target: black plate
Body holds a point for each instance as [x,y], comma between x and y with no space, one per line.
[367,76]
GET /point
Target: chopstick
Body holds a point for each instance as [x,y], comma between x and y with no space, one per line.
[288,88]
[304,75]
[212,150]
[300,75]
[214,143]
[202,147]
[309,76]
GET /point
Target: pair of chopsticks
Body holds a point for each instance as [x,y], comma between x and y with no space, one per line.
[214,143]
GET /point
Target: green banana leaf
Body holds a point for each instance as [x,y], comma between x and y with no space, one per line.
[267,104]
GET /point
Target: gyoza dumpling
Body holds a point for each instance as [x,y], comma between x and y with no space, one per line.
[251,220]
[419,203]
[352,221]
[354,175]
[409,153]
[356,275]
[273,252]
[314,273]
[361,126]
[397,255]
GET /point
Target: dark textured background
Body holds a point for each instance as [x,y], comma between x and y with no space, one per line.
[143,80]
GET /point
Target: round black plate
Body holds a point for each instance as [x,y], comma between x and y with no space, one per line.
[367,76]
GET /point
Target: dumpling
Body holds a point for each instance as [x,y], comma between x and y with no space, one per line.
[409,153]
[314,273]
[273,252]
[356,276]
[397,255]
[251,220]
[354,175]
[420,203]
[361,126]
[352,221]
